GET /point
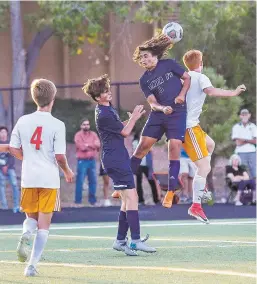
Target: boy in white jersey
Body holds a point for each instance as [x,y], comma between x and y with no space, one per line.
[198,145]
[38,139]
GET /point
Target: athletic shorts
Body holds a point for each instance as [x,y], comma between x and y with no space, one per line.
[172,125]
[102,172]
[195,143]
[121,174]
[45,200]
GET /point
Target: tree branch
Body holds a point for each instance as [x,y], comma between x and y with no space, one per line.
[34,49]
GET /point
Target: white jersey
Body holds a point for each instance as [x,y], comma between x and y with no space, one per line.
[41,136]
[195,97]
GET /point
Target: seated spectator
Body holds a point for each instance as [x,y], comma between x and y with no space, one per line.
[7,172]
[239,177]
[146,168]
[186,175]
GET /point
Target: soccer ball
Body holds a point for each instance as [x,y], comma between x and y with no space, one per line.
[174,31]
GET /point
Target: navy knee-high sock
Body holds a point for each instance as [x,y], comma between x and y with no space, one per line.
[123,226]
[174,168]
[133,221]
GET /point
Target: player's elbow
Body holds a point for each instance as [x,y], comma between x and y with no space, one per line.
[124,133]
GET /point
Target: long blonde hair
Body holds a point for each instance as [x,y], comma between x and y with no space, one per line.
[234,157]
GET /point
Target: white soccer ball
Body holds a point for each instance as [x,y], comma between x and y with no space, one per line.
[174,31]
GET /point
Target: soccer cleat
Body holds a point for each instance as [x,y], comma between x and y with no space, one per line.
[30,271]
[23,247]
[208,198]
[123,246]
[140,245]
[116,194]
[196,211]
[168,199]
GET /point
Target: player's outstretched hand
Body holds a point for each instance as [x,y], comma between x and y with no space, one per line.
[138,112]
[240,89]
[167,110]
[69,175]
[179,100]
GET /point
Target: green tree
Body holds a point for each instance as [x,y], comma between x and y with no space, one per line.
[226,34]
[218,117]
[74,22]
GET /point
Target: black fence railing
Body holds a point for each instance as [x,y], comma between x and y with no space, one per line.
[8,110]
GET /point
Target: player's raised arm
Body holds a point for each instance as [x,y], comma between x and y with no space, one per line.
[136,114]
[217,92]
[180,99]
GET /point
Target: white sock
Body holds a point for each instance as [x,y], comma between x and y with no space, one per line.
[38,246]
[198,188]
[29,226]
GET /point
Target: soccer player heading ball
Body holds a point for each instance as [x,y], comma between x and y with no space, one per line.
[116,162]
[162,86]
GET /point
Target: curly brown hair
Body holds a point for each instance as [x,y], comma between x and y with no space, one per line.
[157,46]
[97,86]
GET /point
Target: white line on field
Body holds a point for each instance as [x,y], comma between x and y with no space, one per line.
[156,268]
[109,248]
[152,239]
[142,225]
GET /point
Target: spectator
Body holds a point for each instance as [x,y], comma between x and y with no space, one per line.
[244,134]
[106,184]
[146,168]
[87,148]
[240,178]
[186,174]
[7,171]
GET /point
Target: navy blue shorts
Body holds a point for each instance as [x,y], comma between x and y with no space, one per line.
[121,174]
[172,125]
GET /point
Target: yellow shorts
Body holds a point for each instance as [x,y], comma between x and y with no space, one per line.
[195,143]
[45,200]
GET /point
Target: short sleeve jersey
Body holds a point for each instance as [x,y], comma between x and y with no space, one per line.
[195,97]
[164,82]
[41,137]
[109,127]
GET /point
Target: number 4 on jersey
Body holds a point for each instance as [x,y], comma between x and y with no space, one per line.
[36,137]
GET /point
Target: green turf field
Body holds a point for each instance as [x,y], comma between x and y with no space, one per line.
[188,252]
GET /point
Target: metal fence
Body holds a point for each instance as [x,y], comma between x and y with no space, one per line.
[125,95]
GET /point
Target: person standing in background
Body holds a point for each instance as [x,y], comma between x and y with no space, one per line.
[244,134]
[87,149]
[146,168]
[7,171]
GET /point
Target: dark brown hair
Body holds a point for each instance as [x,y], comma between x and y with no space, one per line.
[157,46]
[97,86]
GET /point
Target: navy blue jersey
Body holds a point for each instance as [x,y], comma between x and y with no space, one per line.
[164,83]
[109,127]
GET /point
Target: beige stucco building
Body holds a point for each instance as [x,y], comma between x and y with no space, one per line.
[56,63]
